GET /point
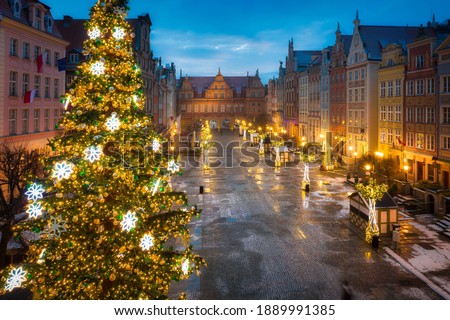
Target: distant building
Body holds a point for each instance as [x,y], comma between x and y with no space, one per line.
[32,85]
[222,100]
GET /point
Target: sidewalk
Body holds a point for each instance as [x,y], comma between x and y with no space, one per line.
[424,252]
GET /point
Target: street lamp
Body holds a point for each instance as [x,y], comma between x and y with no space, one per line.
[406,168]
[368,167]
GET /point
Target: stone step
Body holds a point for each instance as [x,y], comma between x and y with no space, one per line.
[447,233]
[443,224]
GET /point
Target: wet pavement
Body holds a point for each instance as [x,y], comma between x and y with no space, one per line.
[265,238]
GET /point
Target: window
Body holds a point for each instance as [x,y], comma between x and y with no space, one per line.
[419,140]
[48,57]
[25,83]
[46,119]
[13,83]
[56,88]
[13,46]
[56,58]
[350,75]
[356,74]
[410,139]
[430,170]
[37,52]
[383,89]
[47,87]
[383,135]
[397,135]
[25,114]
[420,115]
[37,19]
[12,121]
[37,85]
[26,50]
[390,136]
[429,142]
[409,114]
[356,57]
[363,73]
[390,113]
[390,87]
[398,114]
[350,95]
[363,94]
[430,86]
[356,94]
[446,85]
[430,115]
[56,116]
[73,58]
[383,113]
[446,143]
[410,88]
[390,63]
[419,87]
[446,115]
[398,88]
[420,61]
[37,114]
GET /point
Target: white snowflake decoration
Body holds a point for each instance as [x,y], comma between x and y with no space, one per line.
[113,123]
[15,279]
[118,33]
[172,166]
[55,228]
[62,170]
[98,68]
[93,153]
[185,266]
[129,221]
[34,210]
[120,11]
[146,242]
[35,192]
[94,33]
[155,187]
[156,145]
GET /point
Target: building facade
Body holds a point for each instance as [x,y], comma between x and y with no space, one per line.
[31,47]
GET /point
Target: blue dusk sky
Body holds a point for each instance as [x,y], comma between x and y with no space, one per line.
[241,36]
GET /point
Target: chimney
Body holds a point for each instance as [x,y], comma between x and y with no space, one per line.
[67,21]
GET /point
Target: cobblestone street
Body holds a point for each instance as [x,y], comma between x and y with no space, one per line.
[264,238]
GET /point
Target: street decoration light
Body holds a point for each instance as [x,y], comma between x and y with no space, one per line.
[205,144]
[372,192]
[406,168]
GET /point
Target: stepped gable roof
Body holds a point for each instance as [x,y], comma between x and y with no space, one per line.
[236,82]
[6,11]
[375,38]
[346,41]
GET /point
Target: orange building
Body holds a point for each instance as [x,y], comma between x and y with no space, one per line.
[221,100]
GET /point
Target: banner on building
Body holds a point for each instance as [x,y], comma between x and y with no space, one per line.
[29,96]
[62,64]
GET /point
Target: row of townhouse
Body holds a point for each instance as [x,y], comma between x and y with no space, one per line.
[38,59]
[383,88]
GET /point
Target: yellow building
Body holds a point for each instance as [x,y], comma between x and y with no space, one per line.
[391,76]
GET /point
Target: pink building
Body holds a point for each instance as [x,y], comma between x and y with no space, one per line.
[30,47]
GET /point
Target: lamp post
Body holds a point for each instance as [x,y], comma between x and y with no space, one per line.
[406,168]
[368,167]
[355,154]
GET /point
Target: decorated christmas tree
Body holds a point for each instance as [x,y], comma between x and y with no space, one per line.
[106,223]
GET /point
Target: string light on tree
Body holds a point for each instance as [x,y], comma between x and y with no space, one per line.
[129,221]
[15,279]
[35,192]
[62,170]
[156,145]
[113,123]
[35,210]
[93,153]
[185,266]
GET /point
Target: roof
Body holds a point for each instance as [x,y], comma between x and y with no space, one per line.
[6,11]
[236,82]
[375,38]
[304,58]
[346,41]
[385,202]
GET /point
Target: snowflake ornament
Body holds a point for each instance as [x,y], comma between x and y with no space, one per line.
[94,33]
[129,221]
[146,242]
[93,153]
[54,229]
[35,210]
[156,145]
[35,192]
[15,279]
[98,68]
[118,33]
[185,266]
[120,11]
[113,123]
[62,170]
[172,166]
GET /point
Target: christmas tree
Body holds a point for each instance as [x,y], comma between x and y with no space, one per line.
[106,223]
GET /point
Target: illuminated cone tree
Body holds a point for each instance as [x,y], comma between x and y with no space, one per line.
[205,143]
[372,192]
[106,224]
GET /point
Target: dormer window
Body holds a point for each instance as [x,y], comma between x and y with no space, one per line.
[37,19]
[48,23]
[16,8]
